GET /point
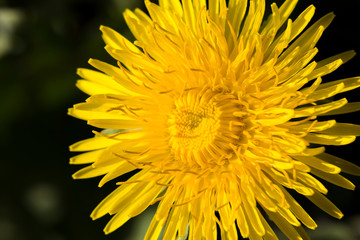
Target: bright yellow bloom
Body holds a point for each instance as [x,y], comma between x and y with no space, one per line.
[219,111]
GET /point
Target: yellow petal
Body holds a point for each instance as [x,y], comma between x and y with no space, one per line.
[317,127]
[348,108]
[162,17]
[301,166]
[92,105]
[329,139]
[254,219]
[242,222]
[189,14]
[124,82]
[225,210]
[116,123]
[264,199]
[216,8]
[286,9]
[344,57]
[313,151]
[318,163]
[310,181]
[87,115]
[173,5]
[116,40]
[275,116]
[279,16]
[93,88]
[88,157]
[325,204]
[269,233]
[343,129]
[272,25]
[302,21]
[154,229]
[290,144]
[128,58]
[273,191]
[182,220]
[253,18]
[124,149]
[106,205]
[310,37]
[284,225]
[309,90]
[327,92]
[172,222]
[101,79]
[138,23]
[288,216]
[92,144]
[346,167]
[279,45]
[303,234]
[324,70]
[237,9]
[144,200]
[90,171]
[231,234]
[133,193]
[132,207]
[323,109]
[209,229]
[349,84]
[199,5]
[116,171]
[334,179]
[290,183]
[105,67]
[297,70]
[299,212]
[165,205]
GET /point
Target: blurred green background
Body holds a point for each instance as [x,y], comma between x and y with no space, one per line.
[42,42]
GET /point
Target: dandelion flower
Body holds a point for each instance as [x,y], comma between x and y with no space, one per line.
[217,112]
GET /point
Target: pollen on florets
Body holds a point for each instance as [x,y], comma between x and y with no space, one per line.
[205,126]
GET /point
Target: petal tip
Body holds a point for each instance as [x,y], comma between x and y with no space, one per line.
[102,28]
[91,60]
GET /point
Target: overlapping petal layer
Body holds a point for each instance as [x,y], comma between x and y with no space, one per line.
[219,111]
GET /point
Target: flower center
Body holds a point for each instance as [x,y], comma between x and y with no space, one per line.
[204,128]
[194,127]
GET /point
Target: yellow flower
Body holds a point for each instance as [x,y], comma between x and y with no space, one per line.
[216,112]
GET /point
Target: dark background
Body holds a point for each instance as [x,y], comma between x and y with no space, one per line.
[42,42]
